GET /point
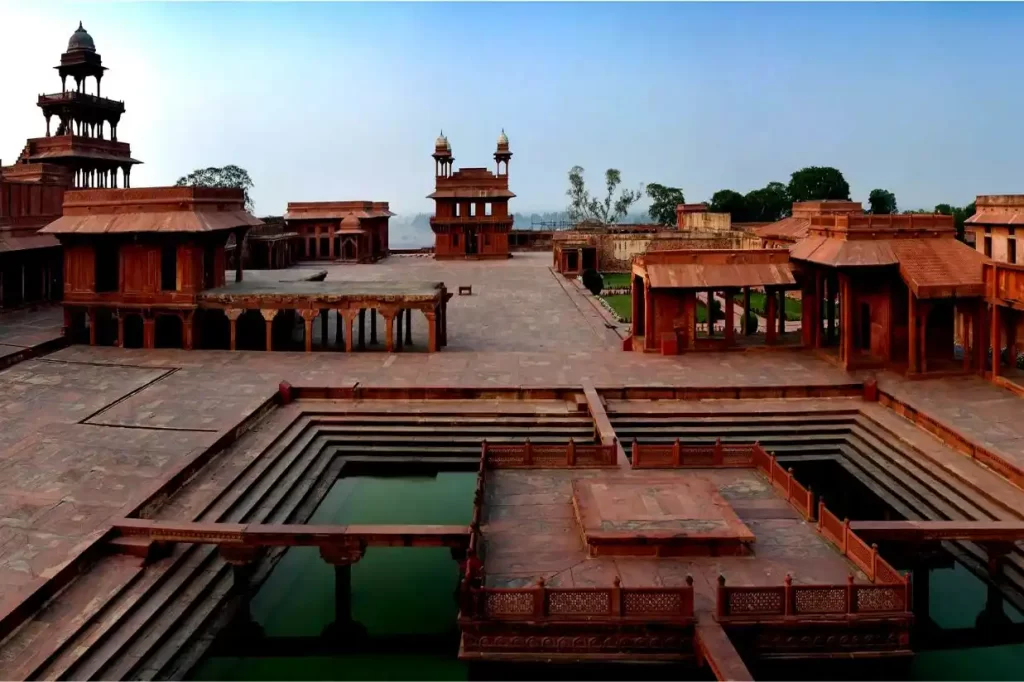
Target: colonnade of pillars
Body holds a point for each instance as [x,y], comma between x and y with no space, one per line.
[397,327]
[95,129]
[102,178]
[1003,325]
[820,300]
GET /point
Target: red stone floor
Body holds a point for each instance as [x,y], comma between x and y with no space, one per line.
[23,329]
[530,532]
[86,434]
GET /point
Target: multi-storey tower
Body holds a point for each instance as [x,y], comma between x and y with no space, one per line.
[471,218]
[85,140]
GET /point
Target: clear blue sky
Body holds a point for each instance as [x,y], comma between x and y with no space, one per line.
[343,101]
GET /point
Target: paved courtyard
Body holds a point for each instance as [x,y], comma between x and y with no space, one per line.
[87,434]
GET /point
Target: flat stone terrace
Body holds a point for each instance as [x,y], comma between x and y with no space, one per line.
[325,292]
[24,332]
[530,532]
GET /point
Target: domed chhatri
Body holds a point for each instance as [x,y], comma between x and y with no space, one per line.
[503,139]
[81,41]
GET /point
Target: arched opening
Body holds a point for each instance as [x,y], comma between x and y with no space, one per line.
[251,331]
[78,329]
[348,250]
[169,331]
[337,247]
[214,330]
[106,327]
[133,335]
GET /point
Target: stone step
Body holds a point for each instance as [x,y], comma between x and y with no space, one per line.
[455,419]
[837,417]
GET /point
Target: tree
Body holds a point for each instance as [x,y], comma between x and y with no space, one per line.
[593,280]
[584,208]
[959,216]
[766,205]
[882,202]
[729,201]
[818,183]
[663,203]
[228,176]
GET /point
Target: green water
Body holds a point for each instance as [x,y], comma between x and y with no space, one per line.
[395,591]
[957,597]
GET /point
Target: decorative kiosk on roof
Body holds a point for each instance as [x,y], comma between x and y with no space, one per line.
[471,218]
[85,140]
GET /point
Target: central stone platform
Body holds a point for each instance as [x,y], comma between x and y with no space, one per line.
[682,516]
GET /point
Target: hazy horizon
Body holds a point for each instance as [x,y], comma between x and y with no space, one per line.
[343,101]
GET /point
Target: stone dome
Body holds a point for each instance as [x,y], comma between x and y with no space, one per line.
[81,41]
[442,143]
[503,139]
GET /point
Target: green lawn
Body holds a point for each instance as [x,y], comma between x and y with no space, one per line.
[622,304]
[759,306]
[616,280]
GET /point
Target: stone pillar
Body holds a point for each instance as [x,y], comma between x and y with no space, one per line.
[399,341]
[307,318]
[239,243]
[350,316]
[649,333]
[819,295]
[830,312]
[770,325]
[242,560]
[846,324]
[389,337]
[782,312]
[913,346]
[268,317]
[186,330]
[730,335]
[120,329]
[373,325]
[995,338]
[233,314]
[408,326]
[1010,327]
[444,317]
[342,556]
[148,330]
[362,329]
[431,317]
[978,345]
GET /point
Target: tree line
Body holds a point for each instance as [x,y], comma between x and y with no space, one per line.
[772,202]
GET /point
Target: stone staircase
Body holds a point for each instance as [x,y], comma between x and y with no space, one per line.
[912,471]
[156,622]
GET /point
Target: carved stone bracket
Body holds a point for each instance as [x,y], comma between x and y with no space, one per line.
[343,553]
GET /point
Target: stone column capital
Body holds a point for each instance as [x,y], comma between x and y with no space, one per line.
[343,553]
[309,315]
[233,313]
[268,313]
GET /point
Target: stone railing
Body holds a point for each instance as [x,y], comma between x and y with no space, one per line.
[849,600]
[580,604]
[528,455]
[860,553]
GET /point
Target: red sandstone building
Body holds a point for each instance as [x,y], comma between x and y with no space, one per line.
[784,233]
[471,218]
[76,152]
[346,231]
[877,291]
[135,260]
[997,225]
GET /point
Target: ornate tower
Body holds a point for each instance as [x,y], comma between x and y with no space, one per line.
[471,218]
[85,141]
[502,154]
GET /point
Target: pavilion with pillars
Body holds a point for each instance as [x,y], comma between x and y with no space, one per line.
[471,218]
[346,231]
[889,289]
[668,287]
[146,268]
[85,139]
